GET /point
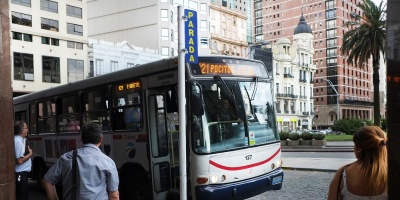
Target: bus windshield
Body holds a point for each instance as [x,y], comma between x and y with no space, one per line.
[237,114]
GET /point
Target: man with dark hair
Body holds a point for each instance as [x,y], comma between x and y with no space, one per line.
[97,176]
[23,161]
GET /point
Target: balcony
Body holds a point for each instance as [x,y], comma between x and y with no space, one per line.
[293,112]
[357,102]
[312,81]
[288,76]
[278,111]
[294,96]
[302,80]
[286,111]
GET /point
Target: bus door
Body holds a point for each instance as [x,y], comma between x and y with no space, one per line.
[159,151]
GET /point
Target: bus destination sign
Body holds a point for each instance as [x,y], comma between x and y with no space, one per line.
[128,86]
[244,69]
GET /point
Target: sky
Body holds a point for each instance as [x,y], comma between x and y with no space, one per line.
[377,2]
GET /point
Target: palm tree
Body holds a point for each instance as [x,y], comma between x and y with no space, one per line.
[365,39]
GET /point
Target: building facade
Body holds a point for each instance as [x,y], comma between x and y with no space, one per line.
[149,24]
[48,44]
[293,78]
[228,28]
[327,18]
[106,57]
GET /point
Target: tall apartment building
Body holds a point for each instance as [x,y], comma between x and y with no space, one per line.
[48,43]
[228,28]
[275,19]
[149,24]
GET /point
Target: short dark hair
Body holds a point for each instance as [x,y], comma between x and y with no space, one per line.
[91,133]
[18,126]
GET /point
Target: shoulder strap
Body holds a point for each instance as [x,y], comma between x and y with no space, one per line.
[72,190]
[74,166]
[340,183]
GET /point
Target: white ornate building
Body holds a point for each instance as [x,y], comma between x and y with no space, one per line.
[294,72]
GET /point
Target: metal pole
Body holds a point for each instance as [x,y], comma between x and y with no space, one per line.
[182,103]
[337,97]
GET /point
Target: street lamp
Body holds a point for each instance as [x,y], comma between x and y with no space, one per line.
[337,97]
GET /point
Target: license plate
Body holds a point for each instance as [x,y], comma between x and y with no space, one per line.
[276,180]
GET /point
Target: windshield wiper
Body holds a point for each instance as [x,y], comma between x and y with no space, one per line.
[231,95]
[255,89]
[248,96]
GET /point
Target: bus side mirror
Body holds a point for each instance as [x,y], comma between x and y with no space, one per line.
[197,105]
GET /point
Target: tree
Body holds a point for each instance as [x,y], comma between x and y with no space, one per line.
[365,39]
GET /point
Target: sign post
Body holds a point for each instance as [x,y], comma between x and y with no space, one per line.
[187,52]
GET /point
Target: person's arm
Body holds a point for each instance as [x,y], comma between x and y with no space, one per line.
[113,195]
[336,186]
[24,158]
[50,190]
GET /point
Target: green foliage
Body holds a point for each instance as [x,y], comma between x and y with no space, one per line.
[348,126]
[339,138]
[283,135]
[366,38]
[383,124]
[294,136]
[306,136]
[319,136]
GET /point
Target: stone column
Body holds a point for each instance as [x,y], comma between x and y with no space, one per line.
[7,175]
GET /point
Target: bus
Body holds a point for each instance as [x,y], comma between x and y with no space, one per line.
[137,109]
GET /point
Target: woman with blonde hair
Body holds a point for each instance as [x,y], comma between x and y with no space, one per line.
[367,177]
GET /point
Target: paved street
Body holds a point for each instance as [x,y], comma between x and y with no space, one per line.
[310,185]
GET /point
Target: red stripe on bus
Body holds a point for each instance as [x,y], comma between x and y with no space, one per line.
[117,137]
[245,166]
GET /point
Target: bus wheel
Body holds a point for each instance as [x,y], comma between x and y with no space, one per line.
[136,187]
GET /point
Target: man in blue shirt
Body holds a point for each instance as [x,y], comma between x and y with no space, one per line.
[97,175]
[23,161]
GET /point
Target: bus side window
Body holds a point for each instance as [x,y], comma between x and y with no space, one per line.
[127,108]
[68,114]
[95,108]
[47,116]
[32,119]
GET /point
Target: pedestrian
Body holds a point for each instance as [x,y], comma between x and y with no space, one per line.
[367,177]
[96,173]
[23,163]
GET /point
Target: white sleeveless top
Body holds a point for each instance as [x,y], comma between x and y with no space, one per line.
[349,196]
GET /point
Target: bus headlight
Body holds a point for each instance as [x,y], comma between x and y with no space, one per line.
[214,179]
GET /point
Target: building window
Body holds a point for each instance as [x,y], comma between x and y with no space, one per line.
[99,67]
[164,34]
[74,45]
[74,11]
[26,3]
[23,66]
[74,29]
[20,36]
[51,69]
[113,66]
[75,70]
[21,19]
[46,40]
[55,42]
[172,35]
[164,51]
[50,6]
[204,42]
[49,24]
[129,65]
[164,15]
[203,25]
[203,7]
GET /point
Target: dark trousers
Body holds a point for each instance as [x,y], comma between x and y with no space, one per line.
[22,187]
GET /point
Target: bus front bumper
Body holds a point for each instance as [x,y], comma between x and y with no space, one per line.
[242,189]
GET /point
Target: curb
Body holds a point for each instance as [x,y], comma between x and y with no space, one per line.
[308,169]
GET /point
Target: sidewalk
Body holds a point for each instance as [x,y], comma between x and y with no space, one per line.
[317,164]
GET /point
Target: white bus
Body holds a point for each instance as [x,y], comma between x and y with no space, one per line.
[138,110]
